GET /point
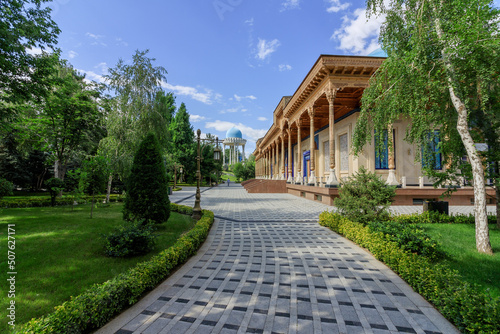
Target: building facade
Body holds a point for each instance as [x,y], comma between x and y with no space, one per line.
[309,144]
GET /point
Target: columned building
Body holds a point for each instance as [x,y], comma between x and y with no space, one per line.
[234,140]
[309,143]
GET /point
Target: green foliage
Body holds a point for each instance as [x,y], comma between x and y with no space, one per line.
[94,176]
[55,186]
[183,145]
[130,239]
[147,185]
[24,25]
[99,304]
[37,202]
[410,237]
[433,217]
[244,171]
[365,197]
[5,187]
[464,304]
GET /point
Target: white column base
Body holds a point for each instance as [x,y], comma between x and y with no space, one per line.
[421,181]
[403,182]
[282,178]
[298,179]
[391,179]
[290,178]
[332,181]
[312,179]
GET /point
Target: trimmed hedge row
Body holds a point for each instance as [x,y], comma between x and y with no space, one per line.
[36,202]
[100,303]
[465,305]
[432,217]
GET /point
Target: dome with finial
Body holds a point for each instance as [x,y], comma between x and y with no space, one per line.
[234,133]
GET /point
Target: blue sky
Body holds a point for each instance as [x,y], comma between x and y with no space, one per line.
[229,61]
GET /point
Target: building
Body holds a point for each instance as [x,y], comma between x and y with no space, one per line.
[234,140]
[308,145]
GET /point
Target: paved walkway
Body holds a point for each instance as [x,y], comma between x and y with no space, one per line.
[268,267]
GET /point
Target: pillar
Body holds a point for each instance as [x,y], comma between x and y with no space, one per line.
[223,154]
[244,156]
[290,178]
[282,156]
[299,151]
[312,177]
[272,162]
[332,178]
[391,178]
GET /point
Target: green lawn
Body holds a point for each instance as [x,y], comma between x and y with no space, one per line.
[59,254]
[228,175]
[458,241]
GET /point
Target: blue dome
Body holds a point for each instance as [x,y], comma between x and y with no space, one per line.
[378,53]
[234,133]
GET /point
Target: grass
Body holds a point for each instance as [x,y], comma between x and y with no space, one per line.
[228,175]
[458,241]
[59,253]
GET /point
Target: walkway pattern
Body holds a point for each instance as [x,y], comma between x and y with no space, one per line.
[266,269]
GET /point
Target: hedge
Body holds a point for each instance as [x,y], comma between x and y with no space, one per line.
[100,303]
[32,202]
[465,305]
[432,217]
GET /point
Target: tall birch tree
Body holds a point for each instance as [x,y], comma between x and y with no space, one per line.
[443,60]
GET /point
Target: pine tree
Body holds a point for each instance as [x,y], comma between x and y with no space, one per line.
[183,143]
[147,185]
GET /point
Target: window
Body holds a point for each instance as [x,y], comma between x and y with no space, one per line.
[431,156]
[344,153]
[382,157]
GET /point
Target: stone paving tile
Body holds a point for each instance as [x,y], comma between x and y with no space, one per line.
[265,273]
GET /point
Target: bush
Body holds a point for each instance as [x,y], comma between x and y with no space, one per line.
[130,240]
[36,202]
[431,217]
[99,304]
[465,305]
[365,197]
[55,186]
[5,188]
[147,186]
[409,237]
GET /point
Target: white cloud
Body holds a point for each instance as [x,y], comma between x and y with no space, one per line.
[265,48]
[262,119]
[335,6]
[121,42]
[102,66]
[249,22]
[248,132]
[72,54]
[94,36]
[92,76]
[359,35]
[285,67]
[249,97]
[196,118]
[34,51]
[290,4]
[192,92]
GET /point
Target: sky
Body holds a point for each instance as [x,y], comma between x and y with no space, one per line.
[229,61]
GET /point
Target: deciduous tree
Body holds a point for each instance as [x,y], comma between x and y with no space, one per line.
[443,60]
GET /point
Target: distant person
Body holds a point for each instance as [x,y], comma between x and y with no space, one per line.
[228,181]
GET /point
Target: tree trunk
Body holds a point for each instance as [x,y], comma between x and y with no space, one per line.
[482,232]
[497,189]
[108,192]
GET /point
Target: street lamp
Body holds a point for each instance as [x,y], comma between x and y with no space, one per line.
[197,206]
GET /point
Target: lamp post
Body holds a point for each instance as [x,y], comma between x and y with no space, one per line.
[197,206]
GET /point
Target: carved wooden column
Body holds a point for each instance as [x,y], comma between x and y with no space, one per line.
[391,178]
[299,152]
[282,176]
[312,176]
[273,163]
[332,178]
[290,178]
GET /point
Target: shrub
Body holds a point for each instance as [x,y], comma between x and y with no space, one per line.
[365,197]
[431,217]
[130,239]
[55,186]
[5,187]
[100,303]
[410,237]
[465,305]
[147,185]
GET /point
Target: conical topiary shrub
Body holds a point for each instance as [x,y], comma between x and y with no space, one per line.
[147,185]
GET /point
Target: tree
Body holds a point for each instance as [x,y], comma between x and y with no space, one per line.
[68,120]
[138,107]
[365,197]
[443,60]
[183,145]
[147,185]
[93,178]
[24,26]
